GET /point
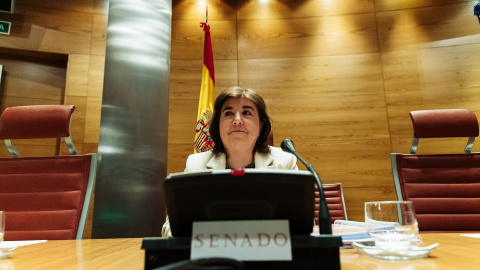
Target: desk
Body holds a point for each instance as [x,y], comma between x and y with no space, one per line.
[454,252]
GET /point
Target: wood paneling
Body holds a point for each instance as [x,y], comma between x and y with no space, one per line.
[337,77]
[196,10]
[99,35]
[96,66]
[84,6]
[77,75]
[49,30]
[31,148]
[307,37]
[355,198]
[187,39]
[383,5]
[30,80]
[281,9]
[92,121]
[427,27]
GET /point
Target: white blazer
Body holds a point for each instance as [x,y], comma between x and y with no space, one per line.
[275,159]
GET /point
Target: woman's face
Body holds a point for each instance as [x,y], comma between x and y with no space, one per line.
[239,124]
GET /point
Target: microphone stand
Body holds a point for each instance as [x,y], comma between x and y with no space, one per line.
[324,219]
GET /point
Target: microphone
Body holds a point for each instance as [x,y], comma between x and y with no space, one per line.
[324,219]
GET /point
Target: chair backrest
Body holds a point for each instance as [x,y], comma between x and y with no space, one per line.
[44,197]
[34,122]
[445,123]
[444,188]
[335,202]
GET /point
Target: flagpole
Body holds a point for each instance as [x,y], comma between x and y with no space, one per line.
[203,141]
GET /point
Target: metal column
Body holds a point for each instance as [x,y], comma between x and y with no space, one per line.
[133,140]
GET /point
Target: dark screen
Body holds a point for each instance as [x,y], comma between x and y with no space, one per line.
[6,6]
[256,195]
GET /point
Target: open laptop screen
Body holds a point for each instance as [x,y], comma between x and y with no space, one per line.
[253,194]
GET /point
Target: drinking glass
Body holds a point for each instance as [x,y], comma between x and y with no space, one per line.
[392,224]
[2,225]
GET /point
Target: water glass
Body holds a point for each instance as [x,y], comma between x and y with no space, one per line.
[392,224]
[2,225]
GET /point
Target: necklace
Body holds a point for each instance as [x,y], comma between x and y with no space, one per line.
[249,166]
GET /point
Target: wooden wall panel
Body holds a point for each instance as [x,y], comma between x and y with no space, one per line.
[384,5]
[77,74]
[49,30]
[195,10]
[307,37]
[32,81]
[300,8]
[355,198]
[92,122]
[31,148]
[96,67]
[85,6]
[354,163]
[99,35]
[187,39]
[305,78]
[428,27]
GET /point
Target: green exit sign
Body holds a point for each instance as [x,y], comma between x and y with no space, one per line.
[5,27]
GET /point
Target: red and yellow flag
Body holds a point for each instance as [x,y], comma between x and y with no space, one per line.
[203,141]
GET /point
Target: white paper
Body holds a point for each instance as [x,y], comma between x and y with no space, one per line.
[474,235]
[259,240]
[9,244]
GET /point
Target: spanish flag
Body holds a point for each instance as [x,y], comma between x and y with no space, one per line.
[203,141]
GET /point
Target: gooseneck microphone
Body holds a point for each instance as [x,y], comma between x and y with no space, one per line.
[324,219]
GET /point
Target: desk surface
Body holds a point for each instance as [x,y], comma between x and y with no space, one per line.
[454,252]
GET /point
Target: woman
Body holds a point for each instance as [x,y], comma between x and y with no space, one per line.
[239,128]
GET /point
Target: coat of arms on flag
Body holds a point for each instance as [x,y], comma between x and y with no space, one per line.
[203,141]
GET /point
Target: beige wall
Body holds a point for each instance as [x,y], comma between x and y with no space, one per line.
[339,77]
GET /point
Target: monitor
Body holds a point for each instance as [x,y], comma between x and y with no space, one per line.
[252,194]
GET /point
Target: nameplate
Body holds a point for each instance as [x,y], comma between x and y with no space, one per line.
[259,240]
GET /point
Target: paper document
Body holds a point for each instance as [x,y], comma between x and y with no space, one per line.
[474,235]
[349,223]
[349,231]
[8,244]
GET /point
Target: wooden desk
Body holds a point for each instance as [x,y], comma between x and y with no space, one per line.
[454,252]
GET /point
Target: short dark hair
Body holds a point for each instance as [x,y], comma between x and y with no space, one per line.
[238,92]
